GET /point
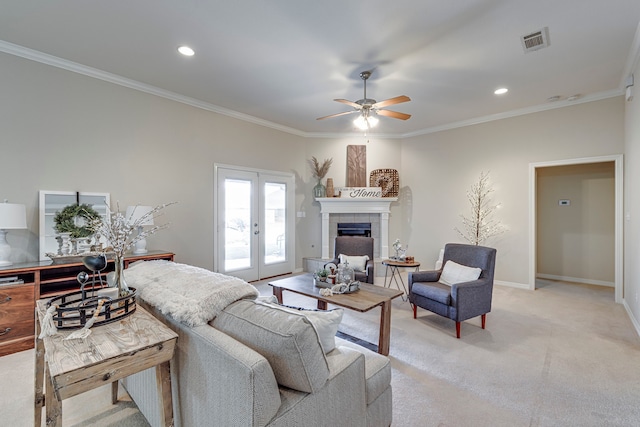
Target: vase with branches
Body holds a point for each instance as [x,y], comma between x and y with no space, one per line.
[481,225]
[118,230]
[319,171]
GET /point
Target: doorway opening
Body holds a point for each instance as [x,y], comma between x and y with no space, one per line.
[578,233]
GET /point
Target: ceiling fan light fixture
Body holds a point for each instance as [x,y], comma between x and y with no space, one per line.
[363,122]
[186,51]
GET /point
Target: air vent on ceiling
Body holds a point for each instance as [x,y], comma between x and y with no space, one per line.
[536,40]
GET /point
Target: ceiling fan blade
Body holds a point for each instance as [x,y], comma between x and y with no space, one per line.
[351,103]
[394,114]
[336,115]
[391,101]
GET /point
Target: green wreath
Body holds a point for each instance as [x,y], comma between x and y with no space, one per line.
[65,220]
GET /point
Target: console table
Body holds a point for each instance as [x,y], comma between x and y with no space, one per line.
[28,282]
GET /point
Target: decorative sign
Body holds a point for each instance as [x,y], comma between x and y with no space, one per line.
[356,165]
[360,192]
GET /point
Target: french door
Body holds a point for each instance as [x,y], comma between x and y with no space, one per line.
[254,223]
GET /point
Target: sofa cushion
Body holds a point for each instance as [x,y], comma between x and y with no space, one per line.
[358,263]
[287,340]
[454,273]
[326,322]
[377,369]
[433,290]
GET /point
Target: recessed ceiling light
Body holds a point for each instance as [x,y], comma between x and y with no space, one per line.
[501,91]
[574,97]
[186,51]
[553,98]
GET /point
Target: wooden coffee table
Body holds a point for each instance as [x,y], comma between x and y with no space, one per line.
[368,297]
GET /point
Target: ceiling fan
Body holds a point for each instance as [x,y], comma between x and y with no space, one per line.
[369,108]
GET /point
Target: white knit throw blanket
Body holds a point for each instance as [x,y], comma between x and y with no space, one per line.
[191,295]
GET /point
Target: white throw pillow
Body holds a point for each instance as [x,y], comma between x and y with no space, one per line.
[454,273]
[358,263]
[325,322]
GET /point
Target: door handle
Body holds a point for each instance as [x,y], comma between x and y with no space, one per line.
[256,232]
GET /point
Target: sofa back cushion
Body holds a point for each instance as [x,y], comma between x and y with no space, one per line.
[287,340]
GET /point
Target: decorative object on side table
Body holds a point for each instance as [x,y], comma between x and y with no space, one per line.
[84,309]
[319,171]
[119,231]
[76,220]
[73,227]
[134,213]
[12,216]
[401,252]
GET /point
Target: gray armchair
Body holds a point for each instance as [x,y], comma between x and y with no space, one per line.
[356,246]
[461,301]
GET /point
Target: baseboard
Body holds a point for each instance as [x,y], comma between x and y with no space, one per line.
[635,322]
[511,284]
[576,280]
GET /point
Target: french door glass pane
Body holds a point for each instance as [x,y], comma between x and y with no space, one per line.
[237,224]
[275,201]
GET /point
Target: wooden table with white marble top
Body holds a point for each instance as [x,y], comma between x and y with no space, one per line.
[111,352]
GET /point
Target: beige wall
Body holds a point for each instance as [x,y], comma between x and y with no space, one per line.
[576,241]
[632,204]
[65,131]
[438,169]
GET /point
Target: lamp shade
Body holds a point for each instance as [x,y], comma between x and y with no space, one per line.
[134,213]
[12,216]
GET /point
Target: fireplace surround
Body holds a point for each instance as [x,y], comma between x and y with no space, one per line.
[373,210]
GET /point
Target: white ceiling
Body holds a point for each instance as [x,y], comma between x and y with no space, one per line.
[282,62]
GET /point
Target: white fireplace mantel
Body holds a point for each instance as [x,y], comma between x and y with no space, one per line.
[338,205]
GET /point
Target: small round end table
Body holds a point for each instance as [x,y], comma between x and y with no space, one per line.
[395,266]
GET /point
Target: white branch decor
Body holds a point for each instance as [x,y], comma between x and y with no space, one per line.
[119,231]
[481,225]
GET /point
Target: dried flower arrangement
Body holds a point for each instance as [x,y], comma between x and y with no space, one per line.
[119,232]
[319,171]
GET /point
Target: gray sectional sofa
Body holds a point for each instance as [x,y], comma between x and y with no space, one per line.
[254,364]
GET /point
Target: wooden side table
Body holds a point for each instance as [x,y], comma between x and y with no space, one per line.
[395,272]
[112,352]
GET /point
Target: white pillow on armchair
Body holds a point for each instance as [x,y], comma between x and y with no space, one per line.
[358,263]
[454,273]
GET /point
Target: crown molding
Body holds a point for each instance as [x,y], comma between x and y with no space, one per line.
[516,113]
[54,61]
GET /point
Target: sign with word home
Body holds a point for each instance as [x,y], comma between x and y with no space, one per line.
[360,192]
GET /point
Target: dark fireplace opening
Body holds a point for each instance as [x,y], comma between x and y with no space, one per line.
[354,229]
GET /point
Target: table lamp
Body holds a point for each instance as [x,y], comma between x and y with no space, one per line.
[12,217]
[134,214]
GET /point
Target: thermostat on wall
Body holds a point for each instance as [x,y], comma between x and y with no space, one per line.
[564,202]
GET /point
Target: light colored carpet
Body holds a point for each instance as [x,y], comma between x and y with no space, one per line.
[564,355]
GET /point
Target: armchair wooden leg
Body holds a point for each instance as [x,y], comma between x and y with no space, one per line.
[415,309]
[484,320]
[458,329]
